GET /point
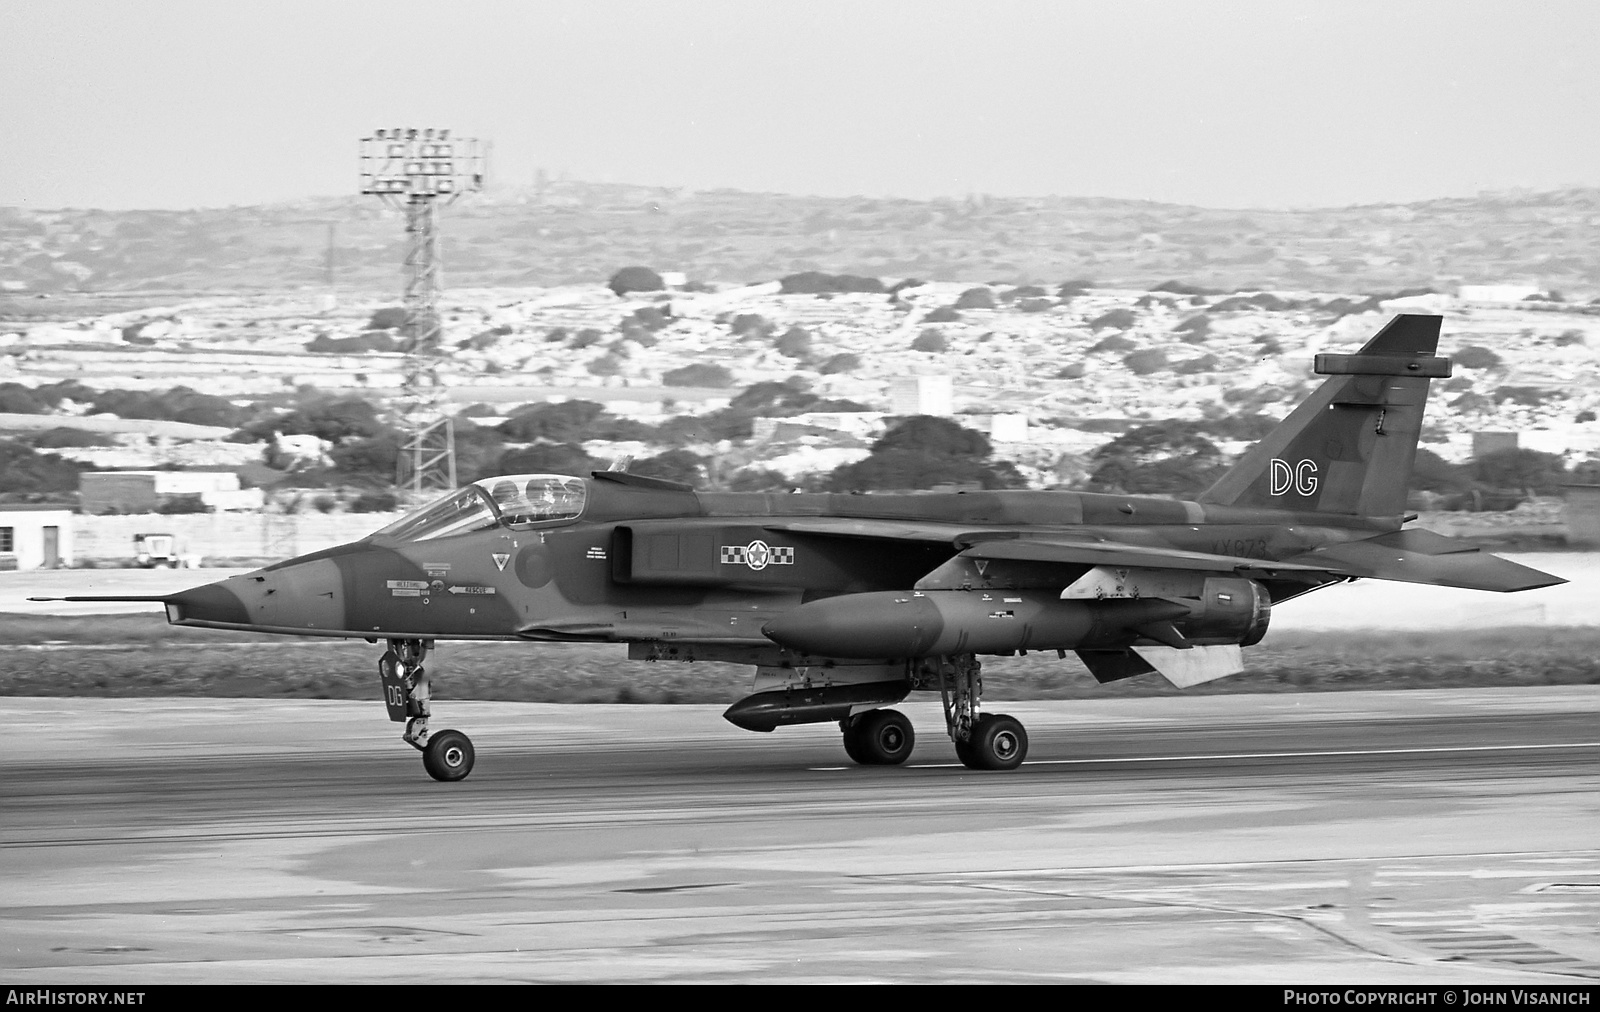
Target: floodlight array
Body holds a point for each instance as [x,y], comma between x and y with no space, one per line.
[419,164]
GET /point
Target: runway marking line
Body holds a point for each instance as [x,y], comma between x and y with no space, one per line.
[1251,755]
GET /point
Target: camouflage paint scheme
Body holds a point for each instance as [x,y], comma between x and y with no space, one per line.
[644,561]
[844,602]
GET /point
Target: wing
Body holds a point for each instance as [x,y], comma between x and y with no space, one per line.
[1112,553]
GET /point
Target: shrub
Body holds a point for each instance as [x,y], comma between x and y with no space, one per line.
[817,283]
[1073,371]
[1115,319]
[548,458]
[751,325]
[20,400]
[698,375]
[1531,396]
[372,340]
[1182,288]
[635,279]
[1074,288]
[651,317]
[560,422]
[178,504]
[930,340]
[944,314]
[1034,305]
[1205,363]
[374,502]
[387,318]
[976,298]
[1116,342]
[843,362]
[1023,292]
[795,343]
[62,436]
[674,465]
[586,337]
[1194,329]
[1476,357]
[1145,361]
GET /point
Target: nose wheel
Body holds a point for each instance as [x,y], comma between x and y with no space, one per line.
[446,755]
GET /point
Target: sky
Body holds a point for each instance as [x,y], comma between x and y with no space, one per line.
[1219,103]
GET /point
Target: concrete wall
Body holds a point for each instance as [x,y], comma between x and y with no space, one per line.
[212,536]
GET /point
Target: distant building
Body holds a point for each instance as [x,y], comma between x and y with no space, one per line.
[35,537]
[922,395]
[1581,511]
[148,491]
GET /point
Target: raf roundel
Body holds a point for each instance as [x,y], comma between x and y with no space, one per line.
[757,555]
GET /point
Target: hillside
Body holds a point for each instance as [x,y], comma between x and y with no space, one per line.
[571,232]
[1050,375]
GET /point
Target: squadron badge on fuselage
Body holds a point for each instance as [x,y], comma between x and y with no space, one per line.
[758,555]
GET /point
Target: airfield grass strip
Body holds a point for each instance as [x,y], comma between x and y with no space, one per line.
[140,655]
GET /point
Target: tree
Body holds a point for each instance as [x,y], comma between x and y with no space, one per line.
[923,451]
[23,469]
[548,458]
[559,422]
[936,436]
[1167,458]
[1528,471]
[976,298]
[930,340]
[674,465]
[373,459]
[700,374]
[635,279]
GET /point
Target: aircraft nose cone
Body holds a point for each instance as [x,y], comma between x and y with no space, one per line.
[213,603]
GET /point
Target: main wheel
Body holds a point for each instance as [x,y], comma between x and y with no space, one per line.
[968,758]
[884,738]
[448,756]
[998,743]
[852,740]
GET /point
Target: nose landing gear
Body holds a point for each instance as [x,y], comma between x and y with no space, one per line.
[446,755]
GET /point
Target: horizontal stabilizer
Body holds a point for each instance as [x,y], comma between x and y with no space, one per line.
[1420,556]
[1194,665]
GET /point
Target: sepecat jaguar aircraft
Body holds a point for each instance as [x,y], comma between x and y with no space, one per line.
[846,603]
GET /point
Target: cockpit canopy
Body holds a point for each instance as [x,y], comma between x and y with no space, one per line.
[513,500]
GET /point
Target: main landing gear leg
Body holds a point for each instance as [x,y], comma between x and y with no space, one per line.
[446,755]
[984,741]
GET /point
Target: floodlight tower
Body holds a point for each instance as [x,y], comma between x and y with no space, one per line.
[417,170]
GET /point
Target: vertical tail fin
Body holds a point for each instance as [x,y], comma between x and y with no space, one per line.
[1349,448]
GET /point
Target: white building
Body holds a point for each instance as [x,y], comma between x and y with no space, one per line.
[35,537]
[922,395]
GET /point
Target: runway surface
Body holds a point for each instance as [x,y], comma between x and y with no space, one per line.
[1430,836]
